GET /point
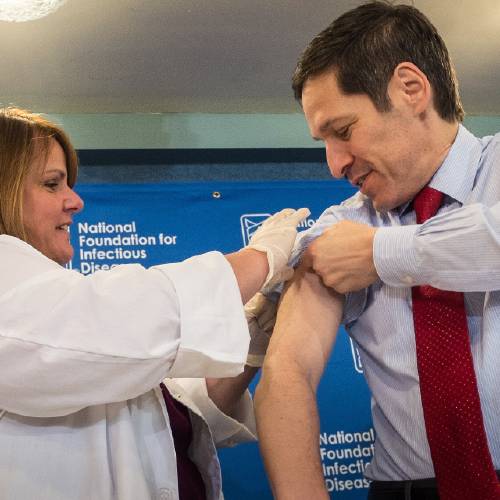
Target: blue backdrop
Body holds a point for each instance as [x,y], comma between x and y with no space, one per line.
[156,223]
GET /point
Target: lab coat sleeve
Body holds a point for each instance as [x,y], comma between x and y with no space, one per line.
[226,430]
[68,341]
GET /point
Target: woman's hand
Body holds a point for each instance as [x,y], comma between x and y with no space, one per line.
[276,237]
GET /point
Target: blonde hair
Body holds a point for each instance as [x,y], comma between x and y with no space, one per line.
[24,138]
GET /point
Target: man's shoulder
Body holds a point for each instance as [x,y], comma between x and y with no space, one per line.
[358,208]
[491,144]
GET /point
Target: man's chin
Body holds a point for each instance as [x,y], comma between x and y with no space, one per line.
[380,206]
[385,205]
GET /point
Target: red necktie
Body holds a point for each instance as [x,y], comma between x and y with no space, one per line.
[450,399]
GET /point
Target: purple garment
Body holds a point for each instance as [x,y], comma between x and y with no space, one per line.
[191,486]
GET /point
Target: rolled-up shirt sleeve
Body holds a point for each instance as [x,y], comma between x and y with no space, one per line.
[68,341]
[457,250]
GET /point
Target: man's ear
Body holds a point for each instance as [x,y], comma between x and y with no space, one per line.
[410,85]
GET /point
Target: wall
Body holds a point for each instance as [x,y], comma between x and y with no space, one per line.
[205,131]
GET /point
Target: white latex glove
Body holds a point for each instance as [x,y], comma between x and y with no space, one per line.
[261,316]
[276,237]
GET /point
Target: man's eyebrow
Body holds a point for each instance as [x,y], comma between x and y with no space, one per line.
[346,119]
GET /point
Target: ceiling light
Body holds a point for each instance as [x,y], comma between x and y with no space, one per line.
[27,10]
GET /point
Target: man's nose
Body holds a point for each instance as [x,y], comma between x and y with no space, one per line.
[339,158]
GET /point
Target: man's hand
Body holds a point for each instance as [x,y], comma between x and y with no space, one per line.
[343,256]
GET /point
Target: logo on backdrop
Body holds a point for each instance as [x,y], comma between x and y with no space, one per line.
[358,366]
[250,223]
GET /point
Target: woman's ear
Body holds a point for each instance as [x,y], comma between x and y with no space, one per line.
[409,85]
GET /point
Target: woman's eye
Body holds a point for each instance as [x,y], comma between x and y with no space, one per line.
[51,185]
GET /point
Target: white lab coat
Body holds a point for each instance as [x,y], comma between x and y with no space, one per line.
[81,358]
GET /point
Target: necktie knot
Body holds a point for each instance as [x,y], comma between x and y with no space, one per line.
[426,203]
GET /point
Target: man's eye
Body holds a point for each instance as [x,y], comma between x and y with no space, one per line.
[344,133]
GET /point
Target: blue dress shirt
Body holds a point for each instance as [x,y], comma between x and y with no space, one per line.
[458,249]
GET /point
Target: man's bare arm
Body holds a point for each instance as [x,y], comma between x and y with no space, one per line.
[285,399]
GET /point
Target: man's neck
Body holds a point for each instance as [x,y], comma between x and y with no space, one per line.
[443,141]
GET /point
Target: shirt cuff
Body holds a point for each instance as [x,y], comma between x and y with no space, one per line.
[396,257]
[214,334]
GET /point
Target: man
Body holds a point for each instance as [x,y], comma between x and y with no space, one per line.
[377,87]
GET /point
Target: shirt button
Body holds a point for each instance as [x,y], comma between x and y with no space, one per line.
[408,280]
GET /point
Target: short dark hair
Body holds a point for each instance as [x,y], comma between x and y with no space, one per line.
[364,46]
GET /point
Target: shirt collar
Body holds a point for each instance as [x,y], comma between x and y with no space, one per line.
[455,177]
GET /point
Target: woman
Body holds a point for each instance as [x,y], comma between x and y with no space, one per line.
[82,357]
